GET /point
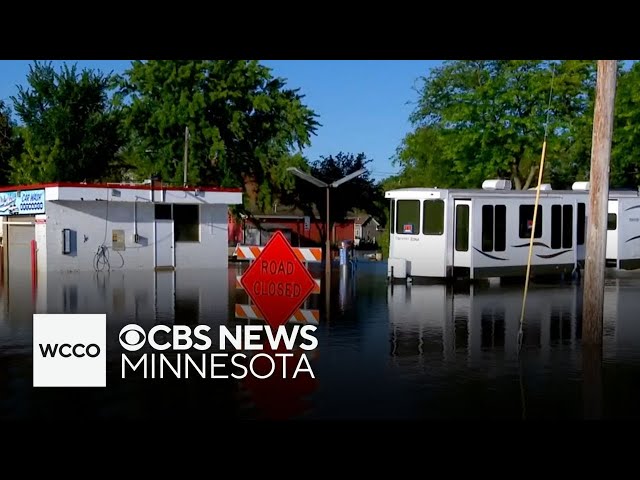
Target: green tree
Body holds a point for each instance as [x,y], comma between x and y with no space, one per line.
[245,126]
[481,119]
[361,193]
[7,141]
[69,128]
[625,152]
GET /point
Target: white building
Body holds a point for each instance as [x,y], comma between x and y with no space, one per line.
[86,227]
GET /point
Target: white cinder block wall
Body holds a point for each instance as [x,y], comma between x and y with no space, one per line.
[92,223]
[211,251]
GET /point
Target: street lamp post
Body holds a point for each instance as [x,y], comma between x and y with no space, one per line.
[319,183]
[327,242]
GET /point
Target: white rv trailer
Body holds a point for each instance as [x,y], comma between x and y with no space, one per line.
[623,230]
[453,233]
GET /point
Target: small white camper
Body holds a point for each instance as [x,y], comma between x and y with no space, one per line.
[466,233]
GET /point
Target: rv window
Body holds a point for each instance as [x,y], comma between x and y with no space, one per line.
[500,239]
[556,226]
[408,217]
[567,226]
[392,216]
[186,223]
[581,223]
[462,228]
[487,228]
[526,221]
[433,217]
[612,221]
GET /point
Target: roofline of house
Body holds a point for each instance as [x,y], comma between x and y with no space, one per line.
[292,217]
[123,186]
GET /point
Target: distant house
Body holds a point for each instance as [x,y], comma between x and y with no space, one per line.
[300,230]
[367,230]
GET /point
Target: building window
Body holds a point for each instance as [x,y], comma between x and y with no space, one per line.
[494,228]
[433,217]
[526,221]
[582,223]
[186,223]
[163,211]
[462,228]
[408,221]
[612,221]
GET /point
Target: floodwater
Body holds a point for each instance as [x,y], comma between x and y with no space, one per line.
[384,352]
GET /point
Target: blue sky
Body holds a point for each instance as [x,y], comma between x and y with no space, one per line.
[363,105]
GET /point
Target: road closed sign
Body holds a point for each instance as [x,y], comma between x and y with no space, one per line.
[277,282]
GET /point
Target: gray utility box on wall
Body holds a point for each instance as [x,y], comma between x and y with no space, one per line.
[117,240]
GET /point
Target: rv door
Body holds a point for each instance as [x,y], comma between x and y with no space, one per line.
[462,234]
[612,233]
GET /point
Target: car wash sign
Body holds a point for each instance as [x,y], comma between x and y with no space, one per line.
[22,202]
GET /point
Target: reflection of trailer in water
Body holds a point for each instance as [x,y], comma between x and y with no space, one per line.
[438,321]
[621,325]
[447,233]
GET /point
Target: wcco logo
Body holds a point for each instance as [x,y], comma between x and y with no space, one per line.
[69,350]
[79,350]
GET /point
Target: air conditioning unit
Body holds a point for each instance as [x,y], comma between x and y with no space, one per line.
[496,185]
[580,186]
[544,186]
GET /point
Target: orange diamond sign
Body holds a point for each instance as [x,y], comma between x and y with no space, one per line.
[277,281]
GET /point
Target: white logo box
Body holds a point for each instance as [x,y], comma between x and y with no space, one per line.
[69,350]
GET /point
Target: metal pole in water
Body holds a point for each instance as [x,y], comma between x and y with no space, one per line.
[327,260]
[327,263]
[595,261]
[186,154]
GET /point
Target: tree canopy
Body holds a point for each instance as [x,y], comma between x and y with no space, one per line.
[480,119]
[245,126]
[69,128]
[7,141]
[473,120]
[625,152]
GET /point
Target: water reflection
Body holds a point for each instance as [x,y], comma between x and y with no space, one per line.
[143,297]
[472,334]
[427,319]
[418,351]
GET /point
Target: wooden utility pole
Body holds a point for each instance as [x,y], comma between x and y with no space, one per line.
[595,261]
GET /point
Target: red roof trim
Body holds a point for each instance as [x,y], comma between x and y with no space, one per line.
[122,186]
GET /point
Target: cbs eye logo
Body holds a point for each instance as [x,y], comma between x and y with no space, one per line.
[132,337]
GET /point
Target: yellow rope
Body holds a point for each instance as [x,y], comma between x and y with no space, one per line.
[533,232]
[535,216]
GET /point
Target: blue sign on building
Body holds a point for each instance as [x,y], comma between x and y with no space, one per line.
[23,202]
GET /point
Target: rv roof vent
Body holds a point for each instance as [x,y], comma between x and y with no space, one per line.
[544,186]
[496,185]
[580,186]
